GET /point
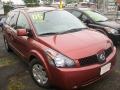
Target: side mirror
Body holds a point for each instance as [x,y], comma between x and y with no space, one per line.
[1,24]
[22,32]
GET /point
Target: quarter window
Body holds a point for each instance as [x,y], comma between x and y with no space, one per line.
[9,16]
[13,20]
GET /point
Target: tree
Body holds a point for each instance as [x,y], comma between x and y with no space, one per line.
[50,1]
[31,3]
[80,0]
[100,3]
[73,1]
[69,1]
[7,6]
[47,2]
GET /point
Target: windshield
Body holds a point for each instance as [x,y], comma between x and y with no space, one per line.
[96,16]
[55,22]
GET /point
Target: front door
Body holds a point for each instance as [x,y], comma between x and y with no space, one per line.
[21,43]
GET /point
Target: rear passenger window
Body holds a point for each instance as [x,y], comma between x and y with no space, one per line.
[13,20]
[22,22]
[9,16]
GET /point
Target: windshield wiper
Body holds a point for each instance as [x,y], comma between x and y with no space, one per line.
[68,31]
[49,33]
[73,30]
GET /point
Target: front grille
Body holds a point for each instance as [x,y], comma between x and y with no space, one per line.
[88,60]
[108,52]
[93,59]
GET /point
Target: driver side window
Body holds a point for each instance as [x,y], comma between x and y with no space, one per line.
[22,22]
[84,18]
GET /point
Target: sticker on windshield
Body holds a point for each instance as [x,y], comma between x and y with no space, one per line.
[37,17]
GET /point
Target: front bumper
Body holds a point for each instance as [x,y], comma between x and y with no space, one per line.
[71,78]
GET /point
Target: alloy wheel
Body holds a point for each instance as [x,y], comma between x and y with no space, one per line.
[39,74]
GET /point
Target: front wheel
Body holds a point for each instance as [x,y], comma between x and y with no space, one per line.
[38,73]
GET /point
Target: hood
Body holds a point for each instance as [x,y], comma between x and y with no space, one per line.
[111,24]
[78,44]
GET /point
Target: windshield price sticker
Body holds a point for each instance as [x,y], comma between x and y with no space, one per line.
[37,17]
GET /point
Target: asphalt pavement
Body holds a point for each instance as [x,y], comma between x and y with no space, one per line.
[14,74]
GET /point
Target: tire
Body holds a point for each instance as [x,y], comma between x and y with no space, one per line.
[7,47]
[39,73]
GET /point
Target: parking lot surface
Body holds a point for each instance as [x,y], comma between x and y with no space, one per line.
[14,74]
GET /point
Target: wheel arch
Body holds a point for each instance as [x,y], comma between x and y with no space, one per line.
[37,55]
[41,58]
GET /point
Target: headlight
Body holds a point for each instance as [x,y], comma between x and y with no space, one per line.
[111,30]
[58,59]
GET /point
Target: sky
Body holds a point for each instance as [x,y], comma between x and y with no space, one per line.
[15,1]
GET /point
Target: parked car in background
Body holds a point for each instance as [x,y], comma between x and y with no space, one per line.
[71,5]
[60,49]
[94,19]
[87,5]
[2,21]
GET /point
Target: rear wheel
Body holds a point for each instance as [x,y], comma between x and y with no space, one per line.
[39,73]
[7,47]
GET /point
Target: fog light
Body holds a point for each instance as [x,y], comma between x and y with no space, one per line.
[75,87]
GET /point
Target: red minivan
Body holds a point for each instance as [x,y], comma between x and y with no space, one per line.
[61,51]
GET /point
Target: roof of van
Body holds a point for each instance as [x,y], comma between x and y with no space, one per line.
[33,9]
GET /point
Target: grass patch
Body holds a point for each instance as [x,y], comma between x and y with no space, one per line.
[15,84]
[5,61]
[117,71]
